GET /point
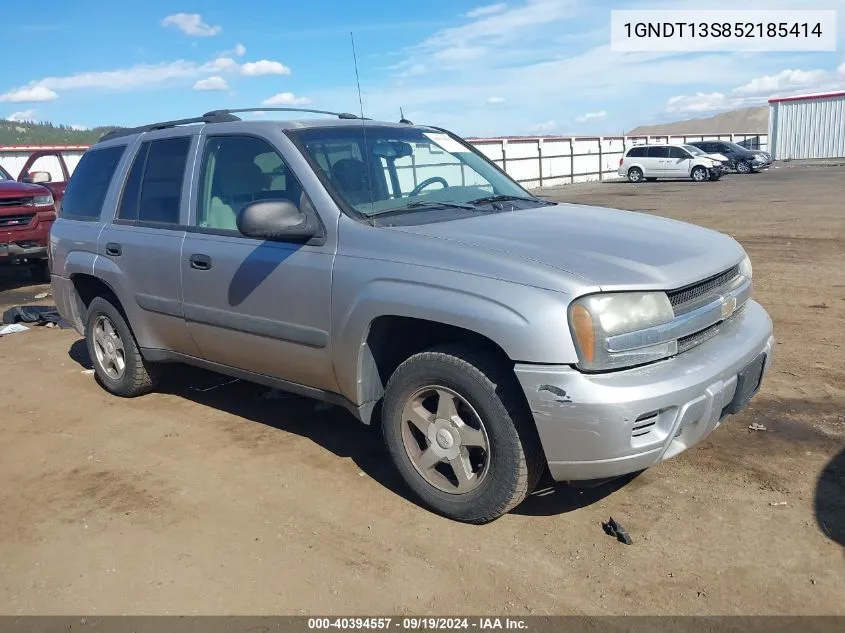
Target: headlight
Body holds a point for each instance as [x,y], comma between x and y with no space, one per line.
[745,267]
[593,319]
[43,201]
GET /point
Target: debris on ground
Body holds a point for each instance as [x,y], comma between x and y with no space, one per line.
[43,295]
[12,328]
[777,503]
[88,372]
[757,427]
[612,528]
[36,315]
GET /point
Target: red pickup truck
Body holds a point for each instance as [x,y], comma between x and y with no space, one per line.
[27,211]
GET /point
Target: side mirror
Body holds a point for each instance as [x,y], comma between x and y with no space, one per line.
[37,177]
[275,220]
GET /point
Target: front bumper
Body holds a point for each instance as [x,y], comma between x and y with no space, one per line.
[10,251]
[594,426]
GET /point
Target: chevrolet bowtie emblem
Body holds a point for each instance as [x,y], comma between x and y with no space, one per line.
[728,306]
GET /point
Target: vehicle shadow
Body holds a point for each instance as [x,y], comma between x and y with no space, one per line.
[552,498]
[830,499]
[336,430]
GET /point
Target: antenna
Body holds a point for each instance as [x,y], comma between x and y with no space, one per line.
[402,118]
[365,153]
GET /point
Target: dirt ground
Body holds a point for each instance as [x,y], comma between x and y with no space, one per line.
[214,498]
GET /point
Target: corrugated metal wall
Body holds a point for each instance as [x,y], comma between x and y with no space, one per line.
[810,128]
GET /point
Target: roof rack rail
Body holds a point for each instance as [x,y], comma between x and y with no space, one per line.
[211,117]
[339,115]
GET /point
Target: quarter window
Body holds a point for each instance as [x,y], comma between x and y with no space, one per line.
[637,152]
[86,191]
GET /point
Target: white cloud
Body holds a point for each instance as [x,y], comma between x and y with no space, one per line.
[496,100]
[784,80]
[459,53]
[239,50]
[285,99]
[264,67]
[191,24]
[222,63]
[211,83]
[841,70]
[28,94]
[699,102]
[23,115]
[545,126]
[591,116]
[486,10]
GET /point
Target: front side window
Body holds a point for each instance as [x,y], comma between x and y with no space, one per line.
[238,170]
[677,152]
[4,175]
[380,169]
[86,191]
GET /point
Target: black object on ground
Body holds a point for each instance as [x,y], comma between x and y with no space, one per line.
[37,315]
[616,530]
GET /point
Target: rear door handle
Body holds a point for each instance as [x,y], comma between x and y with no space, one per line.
[200,261]
[114,249]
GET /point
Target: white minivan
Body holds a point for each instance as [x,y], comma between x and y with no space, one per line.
[651,162]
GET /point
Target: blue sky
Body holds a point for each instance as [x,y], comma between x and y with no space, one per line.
[480,68]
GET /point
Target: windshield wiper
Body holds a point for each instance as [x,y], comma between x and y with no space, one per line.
[507,198]
[422,204]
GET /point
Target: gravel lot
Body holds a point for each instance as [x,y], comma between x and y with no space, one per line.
[214,498]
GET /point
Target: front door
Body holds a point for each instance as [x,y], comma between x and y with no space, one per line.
[261,306]
[679,163]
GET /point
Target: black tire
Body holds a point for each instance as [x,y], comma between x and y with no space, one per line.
[40,271]
[699,174]
[743,167]
[138,376]
[635,175]
[515,463]
[714,176]
[652,179]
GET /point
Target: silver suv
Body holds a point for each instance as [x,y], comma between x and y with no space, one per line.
[394,270]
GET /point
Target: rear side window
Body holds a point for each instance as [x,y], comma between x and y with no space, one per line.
[636,152]
[658,151]
[161,185]
[86,191]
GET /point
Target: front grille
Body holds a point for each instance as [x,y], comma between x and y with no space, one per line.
[16,202]
[688,342]
[701,288]
[21,219]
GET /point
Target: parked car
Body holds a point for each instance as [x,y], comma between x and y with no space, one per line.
[27,212]
[394,270]
[651,162]
[44,178]
[741,160]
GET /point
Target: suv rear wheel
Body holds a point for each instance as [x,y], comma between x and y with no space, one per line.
[460,435]
[118,363]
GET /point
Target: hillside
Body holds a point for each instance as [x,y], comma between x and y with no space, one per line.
[744,120]
[28,133]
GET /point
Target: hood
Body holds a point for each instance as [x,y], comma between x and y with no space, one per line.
[719,157]
[608,248]
[12,188]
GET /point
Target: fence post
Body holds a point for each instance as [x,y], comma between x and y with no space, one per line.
[540,159]
[504,158]
[571,160]
[601,160]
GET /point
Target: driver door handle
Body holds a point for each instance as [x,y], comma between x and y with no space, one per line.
[200,261]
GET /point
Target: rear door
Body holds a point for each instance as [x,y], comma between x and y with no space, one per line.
[656,160]
[258,305]
[679,163]
[141,248]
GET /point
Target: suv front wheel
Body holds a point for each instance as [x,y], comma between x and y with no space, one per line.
[118,363]
[460,435]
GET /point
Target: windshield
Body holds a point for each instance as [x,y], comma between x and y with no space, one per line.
[692,149]
[737,148]
[383,169]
